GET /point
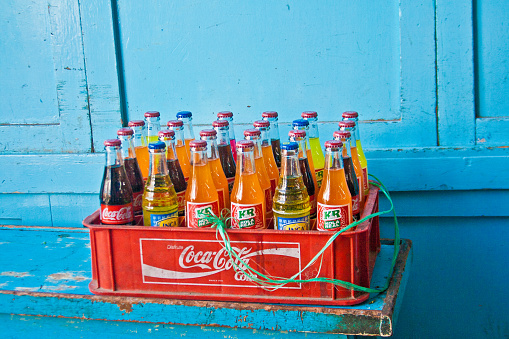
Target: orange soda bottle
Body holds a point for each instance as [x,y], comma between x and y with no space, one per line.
[201,195]
[140,145]
[350,127]
[247,200]
[334,199]
[353,180]
[220,182]
[180,146]
[187,118]
[263,177]
[303,124]
[152,120]
[354,116]
[268,155]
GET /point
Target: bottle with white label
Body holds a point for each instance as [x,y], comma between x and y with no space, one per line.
[248,198]
[202,200]
[334,199]
[160,205]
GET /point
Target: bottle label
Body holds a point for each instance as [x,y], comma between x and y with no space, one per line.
[196,212]
[231,181]
[247,216]
[365,179]
[117,214]
[292,224]
[333,217]
[164,219]
[356,204]
[181,199]
[319,178]
[137,199]
[360,183]
[312,202]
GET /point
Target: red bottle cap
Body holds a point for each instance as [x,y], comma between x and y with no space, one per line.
[261,123]
[152,114]
[197,144]
[166,133]
[297,133]
[333,144]
[136,123]
[350,114]
[252,132]
[341,134]
[225,114]
[245,144]
[347,124]
[309,114]
[220,123]
[269,114]
[112,142]
[175,123]
[125,131]
[208,133]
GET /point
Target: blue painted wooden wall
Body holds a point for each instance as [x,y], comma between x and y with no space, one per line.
[429,79]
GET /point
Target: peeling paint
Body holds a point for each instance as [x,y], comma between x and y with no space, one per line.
[66,276]
[16,274]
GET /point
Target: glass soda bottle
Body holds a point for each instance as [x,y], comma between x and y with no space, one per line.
[303,125]
[180,146]
[160,204]
[248,199]
[272,117]
[299,137]
[116,194]
[132,168]
[354,116]
[152,119]
[334,199]
[315,145]
[225,151]
[263,177]
[350,127]
[187,118]
[140,145]
[220,182]
[268,156]
[175,172]
[353,180]
[228,116]
[291,202]
[201,194]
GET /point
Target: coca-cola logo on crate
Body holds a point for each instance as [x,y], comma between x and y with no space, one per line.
[206,262]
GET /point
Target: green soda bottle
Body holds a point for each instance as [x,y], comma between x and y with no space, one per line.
[291,202]
[160,204]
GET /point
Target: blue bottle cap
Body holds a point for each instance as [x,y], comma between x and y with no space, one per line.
[184,114]
[157,145]
[300,122]
[289,146]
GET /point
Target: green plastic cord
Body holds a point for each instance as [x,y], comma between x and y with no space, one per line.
[272,283]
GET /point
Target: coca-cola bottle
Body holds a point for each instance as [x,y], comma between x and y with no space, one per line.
[116,194]
[132,168]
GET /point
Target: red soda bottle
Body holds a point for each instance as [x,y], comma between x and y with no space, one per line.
[225,151]
[228,116]
[132,168]
[116,194]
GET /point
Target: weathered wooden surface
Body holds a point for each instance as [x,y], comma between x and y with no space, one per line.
[51,279]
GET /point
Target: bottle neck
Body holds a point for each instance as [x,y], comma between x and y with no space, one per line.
[113,156]
[257,146]
[170,148]
[179,135]
[212,150]
[153,126]
[245,162]
[231,130]
[158,166]
[127,148]
[264,136]
[303,128]
[333,159]
[223,135]
[313,128]
[198,157]
[356,134]
[139,136]
[303,151]
[274,128]
[353,142]
[347,148]
[289,164]
[188,128]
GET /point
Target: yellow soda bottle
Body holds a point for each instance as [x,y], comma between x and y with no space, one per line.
[152,120]
[315,145]
[354,116]
[160,205]
[291,202]
[187,118]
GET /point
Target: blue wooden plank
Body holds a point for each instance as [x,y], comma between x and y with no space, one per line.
[25,209]
[492,131]
[455,73]
[68,209]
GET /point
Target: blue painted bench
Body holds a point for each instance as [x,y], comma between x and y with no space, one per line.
[44,287]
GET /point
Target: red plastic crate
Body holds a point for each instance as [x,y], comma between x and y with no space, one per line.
[184,263]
